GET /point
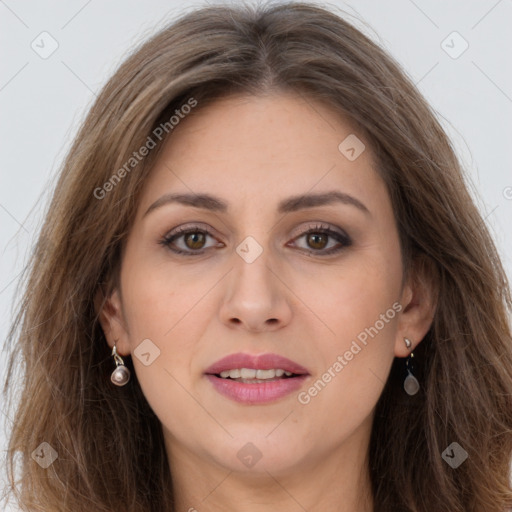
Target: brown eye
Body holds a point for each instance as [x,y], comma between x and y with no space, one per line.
[189,241]
[321,240]
[194,240]
[317,240]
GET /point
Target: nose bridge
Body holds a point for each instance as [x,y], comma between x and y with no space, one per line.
[252,278]
[254,296]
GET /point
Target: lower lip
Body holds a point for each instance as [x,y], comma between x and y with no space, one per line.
[256,393]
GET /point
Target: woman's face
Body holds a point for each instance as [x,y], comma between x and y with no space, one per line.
[251,280]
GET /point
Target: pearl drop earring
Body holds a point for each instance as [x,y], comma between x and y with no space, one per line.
[121,375]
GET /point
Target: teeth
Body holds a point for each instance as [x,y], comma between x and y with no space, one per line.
[247,373]
[234,374]
[250,373]
[266,374]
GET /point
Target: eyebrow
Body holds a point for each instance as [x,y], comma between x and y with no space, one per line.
[291,204]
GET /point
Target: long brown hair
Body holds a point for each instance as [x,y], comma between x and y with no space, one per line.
[109,442]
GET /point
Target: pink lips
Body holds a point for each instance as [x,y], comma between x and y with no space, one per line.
[258,362]
[256,393]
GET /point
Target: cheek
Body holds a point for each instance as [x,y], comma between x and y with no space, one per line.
[353,370]
[160,311]
[160,299]
[351,296]
[168,309]
[355,303]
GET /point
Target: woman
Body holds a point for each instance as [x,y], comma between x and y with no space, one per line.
[262,284]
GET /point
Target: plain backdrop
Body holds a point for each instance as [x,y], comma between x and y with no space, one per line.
[457,52]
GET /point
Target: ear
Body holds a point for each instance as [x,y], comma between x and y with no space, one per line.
[110,312]
[419,301]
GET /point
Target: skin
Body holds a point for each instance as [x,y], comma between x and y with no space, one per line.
[253,152]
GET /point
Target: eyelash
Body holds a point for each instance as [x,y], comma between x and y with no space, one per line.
[345,240]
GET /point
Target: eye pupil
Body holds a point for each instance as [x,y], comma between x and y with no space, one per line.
[195,235]
[316,238]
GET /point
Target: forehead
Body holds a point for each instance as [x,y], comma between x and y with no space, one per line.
[253,147]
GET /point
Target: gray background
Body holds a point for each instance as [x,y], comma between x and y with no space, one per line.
[43,100]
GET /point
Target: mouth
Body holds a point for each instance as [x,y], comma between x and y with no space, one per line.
[256,379]
[253,376]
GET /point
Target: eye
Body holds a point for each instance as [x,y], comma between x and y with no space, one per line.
[322,240]
[192,240]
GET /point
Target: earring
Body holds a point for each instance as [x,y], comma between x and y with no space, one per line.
[411,384]
[121,375]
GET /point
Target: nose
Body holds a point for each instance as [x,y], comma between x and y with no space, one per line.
[255,298]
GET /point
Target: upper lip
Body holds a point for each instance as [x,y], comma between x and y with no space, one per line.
[257,362]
